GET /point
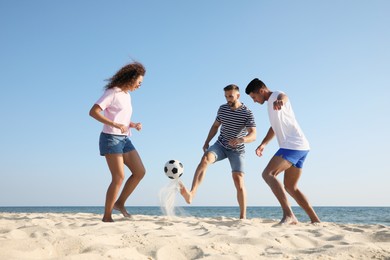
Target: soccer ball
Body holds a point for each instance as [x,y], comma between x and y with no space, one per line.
[174,169]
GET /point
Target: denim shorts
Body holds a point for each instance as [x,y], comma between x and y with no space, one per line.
[295,157]
[236,159]
[114,144]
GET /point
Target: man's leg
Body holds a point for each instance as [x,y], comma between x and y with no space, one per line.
[238,178]
[200,172]
[274,167]
[291,177]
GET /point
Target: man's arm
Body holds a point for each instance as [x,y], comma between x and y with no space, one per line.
[213,131]
[268,137]
[251,136]
[280,101]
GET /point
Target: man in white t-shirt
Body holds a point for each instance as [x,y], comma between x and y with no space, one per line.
[289,159]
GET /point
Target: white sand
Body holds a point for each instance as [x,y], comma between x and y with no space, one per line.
[84,236]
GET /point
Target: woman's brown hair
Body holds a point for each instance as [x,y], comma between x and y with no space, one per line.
[127,75]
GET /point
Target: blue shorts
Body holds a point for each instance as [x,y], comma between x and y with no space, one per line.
[295,157]
[114,144]
[236,159]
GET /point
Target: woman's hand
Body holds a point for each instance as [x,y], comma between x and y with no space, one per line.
[121,127]
[137,126]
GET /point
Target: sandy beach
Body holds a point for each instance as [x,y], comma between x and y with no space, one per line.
[84,236]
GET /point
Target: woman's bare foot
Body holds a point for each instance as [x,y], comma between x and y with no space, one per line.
[123,210]
[107,219]
[289,221]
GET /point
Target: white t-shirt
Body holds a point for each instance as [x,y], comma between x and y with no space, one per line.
[285,126]
[116,105]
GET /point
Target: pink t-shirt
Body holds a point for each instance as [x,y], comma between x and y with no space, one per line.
[116,105]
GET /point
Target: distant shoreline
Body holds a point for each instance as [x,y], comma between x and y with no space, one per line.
[336,214]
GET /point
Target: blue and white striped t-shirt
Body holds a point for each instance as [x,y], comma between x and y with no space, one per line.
[234,124]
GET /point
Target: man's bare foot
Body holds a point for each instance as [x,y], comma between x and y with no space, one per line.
[123,210]
[185,193]
[289,221]
[315,220]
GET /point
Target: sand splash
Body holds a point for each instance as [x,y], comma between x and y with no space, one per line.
[168,197]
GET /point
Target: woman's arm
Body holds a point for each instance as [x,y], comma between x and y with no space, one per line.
[96,112]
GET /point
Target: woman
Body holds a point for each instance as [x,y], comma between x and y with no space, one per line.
[114,143]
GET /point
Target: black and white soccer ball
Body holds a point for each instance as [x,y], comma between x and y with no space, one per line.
[174,169]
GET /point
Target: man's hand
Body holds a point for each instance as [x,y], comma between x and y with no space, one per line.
[260,149]
[234,142]
[280,101]
[205,147]
[278,104]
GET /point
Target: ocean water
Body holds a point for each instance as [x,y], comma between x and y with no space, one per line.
[341,215]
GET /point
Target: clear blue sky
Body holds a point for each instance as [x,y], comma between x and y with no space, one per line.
[331,57]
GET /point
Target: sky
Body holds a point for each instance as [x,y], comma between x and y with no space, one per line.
[332,58]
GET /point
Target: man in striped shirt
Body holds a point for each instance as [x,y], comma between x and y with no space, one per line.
[237,127]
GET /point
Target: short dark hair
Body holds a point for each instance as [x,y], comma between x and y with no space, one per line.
[254,86]
[231,87]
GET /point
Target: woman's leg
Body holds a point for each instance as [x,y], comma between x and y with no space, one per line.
[133,161]
[115,164]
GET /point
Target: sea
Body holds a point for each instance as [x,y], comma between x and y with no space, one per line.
[340,215]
